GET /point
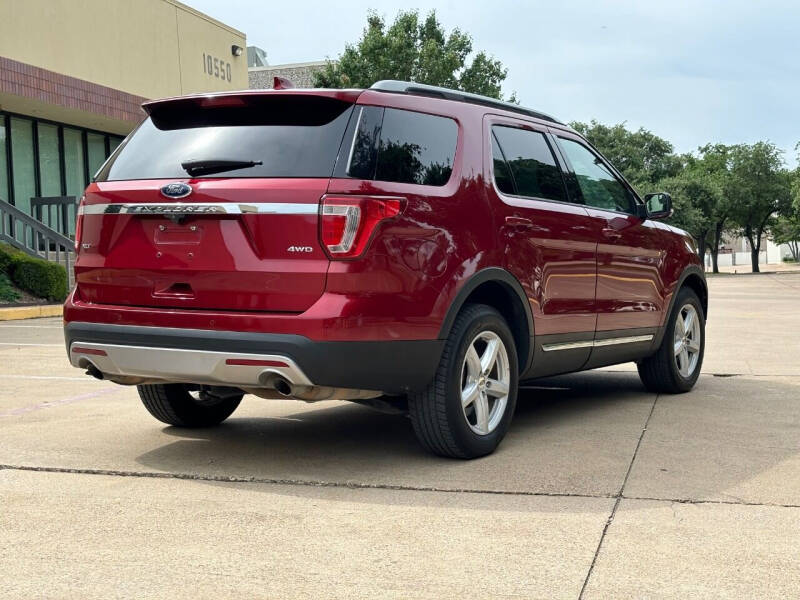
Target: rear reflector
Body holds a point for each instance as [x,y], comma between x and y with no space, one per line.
[94,351]
[79,224]
[348,222]
[246,362]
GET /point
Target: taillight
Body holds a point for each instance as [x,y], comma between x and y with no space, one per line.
[348,222]
[79,225]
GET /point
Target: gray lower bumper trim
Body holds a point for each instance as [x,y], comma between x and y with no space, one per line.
[186,366]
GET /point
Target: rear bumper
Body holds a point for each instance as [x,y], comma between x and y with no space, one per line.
[244,359]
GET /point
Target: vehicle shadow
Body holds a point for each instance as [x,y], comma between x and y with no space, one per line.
[730,439]
[572,434]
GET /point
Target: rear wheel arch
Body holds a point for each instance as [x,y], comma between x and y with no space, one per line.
[499,289]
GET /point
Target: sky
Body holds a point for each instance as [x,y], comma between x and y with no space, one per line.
[691,72]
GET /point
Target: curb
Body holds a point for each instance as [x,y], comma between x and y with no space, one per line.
[31,312]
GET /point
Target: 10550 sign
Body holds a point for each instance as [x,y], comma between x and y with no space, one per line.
[216,67]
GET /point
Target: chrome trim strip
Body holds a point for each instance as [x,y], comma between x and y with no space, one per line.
[201,208]
[623,340]
[567,346]
[183,365]
[633,339]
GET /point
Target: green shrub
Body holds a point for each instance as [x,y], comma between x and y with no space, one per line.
[34,275]
[8,258]
[40,278]
[7,292]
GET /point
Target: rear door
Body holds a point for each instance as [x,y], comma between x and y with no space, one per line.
[239,236]
[550,243]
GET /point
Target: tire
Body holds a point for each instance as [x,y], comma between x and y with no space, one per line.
[441,424]
[668,371]
[174,405]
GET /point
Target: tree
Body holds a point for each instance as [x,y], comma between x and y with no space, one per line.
[414,50]
[759,189]
[642,157]
[712,165]
[695,199]
[786,230]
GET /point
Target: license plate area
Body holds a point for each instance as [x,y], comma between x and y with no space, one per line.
[178,234]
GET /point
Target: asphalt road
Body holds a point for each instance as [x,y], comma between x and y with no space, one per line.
[600,490]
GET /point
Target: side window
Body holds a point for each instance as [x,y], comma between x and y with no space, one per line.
[533,167]
[599,186]
[502,173]
[416,148]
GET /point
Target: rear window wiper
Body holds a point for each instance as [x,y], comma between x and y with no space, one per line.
[216,165]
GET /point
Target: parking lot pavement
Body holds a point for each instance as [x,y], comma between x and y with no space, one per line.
[599,490]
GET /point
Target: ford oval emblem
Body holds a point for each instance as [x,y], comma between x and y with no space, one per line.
[176,190]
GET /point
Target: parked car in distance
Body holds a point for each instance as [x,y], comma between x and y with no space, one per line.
[403,245]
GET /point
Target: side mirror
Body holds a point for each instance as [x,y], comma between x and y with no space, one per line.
[659,205]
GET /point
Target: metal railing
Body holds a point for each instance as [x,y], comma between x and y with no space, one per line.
[57,212]
[33,237]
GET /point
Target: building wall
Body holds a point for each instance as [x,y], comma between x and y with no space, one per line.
[150,48]
[300,74]
[73,76]
[143,48]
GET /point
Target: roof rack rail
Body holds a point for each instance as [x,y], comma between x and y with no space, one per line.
[422,89]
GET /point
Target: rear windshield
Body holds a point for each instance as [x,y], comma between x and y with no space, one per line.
[291,136]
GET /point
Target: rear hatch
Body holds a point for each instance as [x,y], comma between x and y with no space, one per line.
[213,202]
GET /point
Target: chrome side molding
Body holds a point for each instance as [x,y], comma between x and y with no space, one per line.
[633,339]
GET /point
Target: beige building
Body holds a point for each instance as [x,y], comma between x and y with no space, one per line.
[73,74]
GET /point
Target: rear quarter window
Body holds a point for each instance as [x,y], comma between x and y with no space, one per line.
[400,146]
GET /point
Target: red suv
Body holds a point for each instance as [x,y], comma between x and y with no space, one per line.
[404,245]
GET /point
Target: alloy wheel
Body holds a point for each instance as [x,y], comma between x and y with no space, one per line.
[485,382]
[687,340]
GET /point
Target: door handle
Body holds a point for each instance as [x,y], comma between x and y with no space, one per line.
[611,234]
[519,223]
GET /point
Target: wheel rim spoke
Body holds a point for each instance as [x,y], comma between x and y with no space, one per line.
[679,325]
[490,355]
[469,394]
[688,322]
[684,362]
[678,346]
[473,362]
[496,388]
[482,413]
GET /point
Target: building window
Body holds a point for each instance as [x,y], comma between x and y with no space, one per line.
[96,149]
[22,160]
[48,159]
[74,162]
[4,193]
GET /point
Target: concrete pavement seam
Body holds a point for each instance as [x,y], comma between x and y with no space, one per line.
[299,482]
[618,499]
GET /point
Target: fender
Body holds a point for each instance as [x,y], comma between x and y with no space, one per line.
[496,275]
[689,270]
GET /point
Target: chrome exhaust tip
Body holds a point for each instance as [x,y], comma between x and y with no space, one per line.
[283,387]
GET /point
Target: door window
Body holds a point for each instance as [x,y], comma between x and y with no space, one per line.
[598,185]
[533,167]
